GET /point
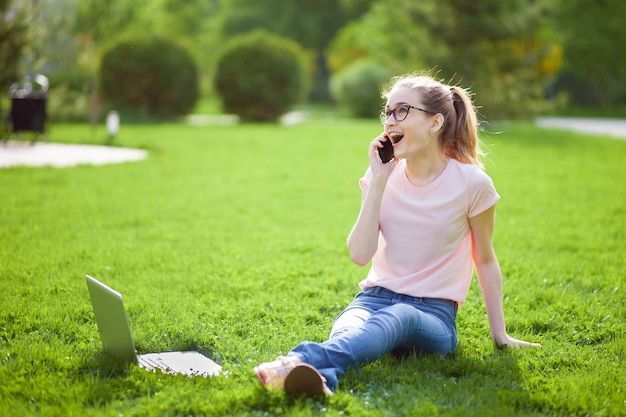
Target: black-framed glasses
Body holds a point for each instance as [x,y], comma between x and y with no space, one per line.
[399,113]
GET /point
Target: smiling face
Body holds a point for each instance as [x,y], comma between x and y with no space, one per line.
[413,134]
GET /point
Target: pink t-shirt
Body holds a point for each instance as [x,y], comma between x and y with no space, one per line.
[424,243]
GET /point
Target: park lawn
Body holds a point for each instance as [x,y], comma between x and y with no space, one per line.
[231,240]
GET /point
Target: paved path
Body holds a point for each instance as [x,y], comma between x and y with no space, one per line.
[60,155]
[610,127]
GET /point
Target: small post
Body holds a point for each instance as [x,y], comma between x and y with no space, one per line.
[113,125]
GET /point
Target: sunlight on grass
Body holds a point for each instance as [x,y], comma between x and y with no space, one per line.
[231,240]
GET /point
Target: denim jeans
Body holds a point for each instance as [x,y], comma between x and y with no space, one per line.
[377,322]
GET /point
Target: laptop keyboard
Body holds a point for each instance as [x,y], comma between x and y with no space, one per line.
[185,363]
[151,364]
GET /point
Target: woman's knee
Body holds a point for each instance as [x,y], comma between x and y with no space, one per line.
[349,319]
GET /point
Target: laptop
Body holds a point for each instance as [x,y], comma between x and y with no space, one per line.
[108,308]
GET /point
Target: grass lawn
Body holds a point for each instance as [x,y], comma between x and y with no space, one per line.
[231,240]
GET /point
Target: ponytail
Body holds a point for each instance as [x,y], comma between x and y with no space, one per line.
[461,141]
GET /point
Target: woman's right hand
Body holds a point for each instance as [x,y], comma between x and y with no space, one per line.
[378,167]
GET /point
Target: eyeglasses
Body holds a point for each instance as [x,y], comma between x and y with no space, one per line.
[399,113]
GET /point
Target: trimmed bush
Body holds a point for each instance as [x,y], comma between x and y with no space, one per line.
[357,88]
[151,76]
[259,76]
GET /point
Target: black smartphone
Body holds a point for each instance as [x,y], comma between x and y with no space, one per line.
[386,152]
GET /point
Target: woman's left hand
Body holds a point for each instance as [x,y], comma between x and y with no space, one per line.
[509,342]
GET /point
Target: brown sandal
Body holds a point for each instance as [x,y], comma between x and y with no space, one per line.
[304,379]
[272,375]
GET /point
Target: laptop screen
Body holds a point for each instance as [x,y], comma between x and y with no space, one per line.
[108,308]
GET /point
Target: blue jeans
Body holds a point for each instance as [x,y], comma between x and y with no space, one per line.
[377,322]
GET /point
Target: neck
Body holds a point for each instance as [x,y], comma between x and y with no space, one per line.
[424,169]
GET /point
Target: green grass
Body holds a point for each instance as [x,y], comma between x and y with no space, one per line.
[231,240]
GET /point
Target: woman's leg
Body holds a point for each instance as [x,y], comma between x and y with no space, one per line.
[353,316]
[397,325]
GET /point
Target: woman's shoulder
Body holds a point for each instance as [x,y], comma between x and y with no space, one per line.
[465,167]
[471,173]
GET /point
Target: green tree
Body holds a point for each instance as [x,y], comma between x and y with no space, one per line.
[192,23]
[356,88]
[188,22]
[13,40]
[175,19]
[183,18]
[53,45]
[311,23]
[595,36]
[103,20]
[497,48]
[356,7]
[386,34]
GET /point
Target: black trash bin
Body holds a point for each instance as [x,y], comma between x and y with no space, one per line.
[28,106]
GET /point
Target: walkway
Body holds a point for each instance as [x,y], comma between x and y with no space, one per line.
[64,155]
[610,127]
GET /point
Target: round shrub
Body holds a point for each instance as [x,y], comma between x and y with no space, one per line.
[259,76]
[150,76]
[357,88]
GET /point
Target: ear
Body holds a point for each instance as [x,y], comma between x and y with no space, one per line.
[436,123]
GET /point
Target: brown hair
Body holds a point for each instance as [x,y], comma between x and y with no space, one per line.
[459,133]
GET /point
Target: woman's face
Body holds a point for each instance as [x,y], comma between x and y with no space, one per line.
[411,134]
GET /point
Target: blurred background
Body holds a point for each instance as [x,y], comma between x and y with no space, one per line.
[166,59]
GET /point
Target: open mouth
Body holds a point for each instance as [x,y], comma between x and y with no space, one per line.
[395,137]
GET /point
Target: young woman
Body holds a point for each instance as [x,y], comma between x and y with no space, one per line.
[426,220]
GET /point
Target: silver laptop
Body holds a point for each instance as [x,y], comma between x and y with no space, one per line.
[108,308]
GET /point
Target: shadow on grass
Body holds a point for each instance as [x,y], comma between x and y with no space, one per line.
[441,385]
[103,365]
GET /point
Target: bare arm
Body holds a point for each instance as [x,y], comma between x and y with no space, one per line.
[363,239]
[490,278]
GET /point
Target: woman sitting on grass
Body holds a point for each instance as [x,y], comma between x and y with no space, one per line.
[427,218]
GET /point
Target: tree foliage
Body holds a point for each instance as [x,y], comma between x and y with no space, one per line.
[356,88]
[494,47]
[13,41]
[386,34]
[14,31]
[103,20]
[508,52]
[311,23]
[54,45]
[497,48]
[595,38]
